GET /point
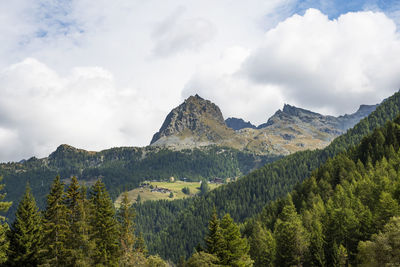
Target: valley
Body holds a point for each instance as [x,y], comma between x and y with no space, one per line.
[153,190]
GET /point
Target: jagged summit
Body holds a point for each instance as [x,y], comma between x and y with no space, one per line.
[295,111]
[196,118]
[238,124]
[198,122]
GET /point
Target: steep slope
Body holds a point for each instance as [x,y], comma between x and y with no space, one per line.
[184,223]
[238,124]
[345,201]
[198,122]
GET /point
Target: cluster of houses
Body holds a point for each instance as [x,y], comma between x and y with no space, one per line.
[160,190]
[154,189]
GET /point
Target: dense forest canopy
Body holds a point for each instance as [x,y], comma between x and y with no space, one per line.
[173,229]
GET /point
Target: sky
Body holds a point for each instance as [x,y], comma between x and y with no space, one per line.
[102,74]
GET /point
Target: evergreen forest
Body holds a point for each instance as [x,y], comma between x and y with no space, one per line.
[339,206]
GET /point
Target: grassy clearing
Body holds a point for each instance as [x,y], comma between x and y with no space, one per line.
[175,187]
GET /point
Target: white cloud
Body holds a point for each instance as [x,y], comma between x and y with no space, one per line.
[41,109]
[329,64]
[177,35]
[96,74]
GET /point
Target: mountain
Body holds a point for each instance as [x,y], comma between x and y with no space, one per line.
[184,223]
[238,124]
[198,122]
[349,199]
[123,168]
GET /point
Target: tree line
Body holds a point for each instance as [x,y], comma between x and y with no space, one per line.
[78,227]
[346,214]
[182,224]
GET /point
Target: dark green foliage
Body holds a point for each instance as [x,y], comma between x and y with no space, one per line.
[214,239]
[104,227]
[235,249]
[125,216]
[186,190]
[384,247]
[291,238]
[78,244]
[26,233]
[4,242]
[55,226]
[263,246]
[204,188]
[125,168]
[224,241]
[185,220]
[346,201]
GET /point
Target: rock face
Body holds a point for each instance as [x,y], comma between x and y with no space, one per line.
[198,122]
[237,124]
[348,121]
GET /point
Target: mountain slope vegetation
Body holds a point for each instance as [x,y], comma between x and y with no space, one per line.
[124,168]
[346,202]
[174,228]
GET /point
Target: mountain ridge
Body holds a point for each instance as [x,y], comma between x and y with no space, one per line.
[198,122]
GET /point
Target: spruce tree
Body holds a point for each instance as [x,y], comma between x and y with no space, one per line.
[4,242]
[125,217]
[26,233]
[262,246]
[214,239]
[104,227]
[79,248]
[140,245]
[236,249]
[55,226]
[291,239]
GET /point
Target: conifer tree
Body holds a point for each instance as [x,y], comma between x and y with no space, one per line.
[104,227]
[262,246]
[236,249]
[214,239]
[55,226]
[4,242]
[125,217]
[79,248]
[291,239]
[26,233]
[140,245]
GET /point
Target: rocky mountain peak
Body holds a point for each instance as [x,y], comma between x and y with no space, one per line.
[195,116]
[238,124]
[295,111]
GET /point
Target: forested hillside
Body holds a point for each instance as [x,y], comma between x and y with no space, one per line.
[124,168]
[173,229]
[329,218]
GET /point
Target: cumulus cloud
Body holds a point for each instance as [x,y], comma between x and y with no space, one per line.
[95,74]
[176,35]
[233,93]
[40,109]
[329,64]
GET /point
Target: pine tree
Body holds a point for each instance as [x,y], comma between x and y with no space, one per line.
[125,217]
[236,249]
[262,246]
[4,242]
[291,239]
[79,248]
[104,227]
[214,239]
[140,245]
[55,226]
[26,233]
